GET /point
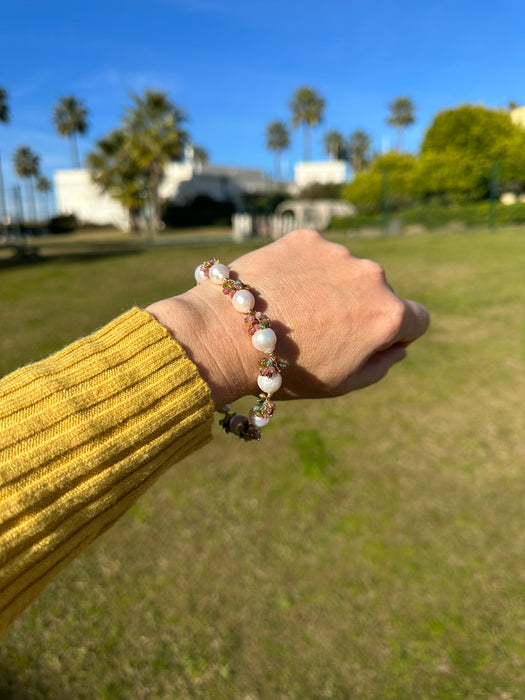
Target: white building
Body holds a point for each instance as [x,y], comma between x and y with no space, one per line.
[518,116]
[325,172]
[77,194]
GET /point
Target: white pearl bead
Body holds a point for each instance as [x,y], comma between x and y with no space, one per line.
[264,340]
[237,423]
[269,384]
[199,274]
[257,420]
[243,301]
[218,273]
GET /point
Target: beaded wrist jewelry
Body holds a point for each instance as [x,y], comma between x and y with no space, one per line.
[263,339]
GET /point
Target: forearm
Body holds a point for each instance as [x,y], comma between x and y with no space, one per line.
[82,434]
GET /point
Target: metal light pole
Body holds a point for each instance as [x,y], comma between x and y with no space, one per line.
[494,175]
[384,200]
[3,212]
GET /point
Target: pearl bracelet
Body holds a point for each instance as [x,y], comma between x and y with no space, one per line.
[263,339]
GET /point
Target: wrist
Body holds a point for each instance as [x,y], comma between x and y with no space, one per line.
[211,333]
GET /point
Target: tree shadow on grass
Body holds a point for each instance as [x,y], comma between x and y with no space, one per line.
[34,257]
[13,686]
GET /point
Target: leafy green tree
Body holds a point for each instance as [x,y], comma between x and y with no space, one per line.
[459,151]
[277,140]
[4,119]
[401,115]
[334,144]
[471,130]
[321,190]
[70,118]
[359,150]
[307,109]
[449,178]
[129,163]
[389,177]
[27,167]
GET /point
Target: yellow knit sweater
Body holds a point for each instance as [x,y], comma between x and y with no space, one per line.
[82,435]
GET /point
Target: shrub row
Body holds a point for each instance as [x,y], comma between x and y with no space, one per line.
[431,217]
[63,223]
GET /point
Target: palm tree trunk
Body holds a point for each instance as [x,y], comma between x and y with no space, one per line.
[31,198]
[3,212]
[75,160]
[19,205]
[47,217]
[154,188]
[133,220]
[399,138]
[306,142]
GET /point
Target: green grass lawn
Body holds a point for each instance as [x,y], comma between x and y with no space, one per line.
[370,547]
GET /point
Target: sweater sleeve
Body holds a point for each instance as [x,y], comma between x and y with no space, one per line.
[82,435]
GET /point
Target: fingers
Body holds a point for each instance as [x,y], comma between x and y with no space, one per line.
[409,318]
[415,322]
[376,367]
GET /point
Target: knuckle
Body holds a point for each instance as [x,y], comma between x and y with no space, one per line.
[396,315]
[305,233]
[373,269]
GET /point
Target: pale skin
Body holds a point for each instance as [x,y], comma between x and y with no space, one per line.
[339,325]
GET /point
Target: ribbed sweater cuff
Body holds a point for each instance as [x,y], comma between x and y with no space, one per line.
[82,434]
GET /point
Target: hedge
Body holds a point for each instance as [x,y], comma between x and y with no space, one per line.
[431,216]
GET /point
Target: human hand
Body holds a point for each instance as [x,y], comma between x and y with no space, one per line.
[339,325]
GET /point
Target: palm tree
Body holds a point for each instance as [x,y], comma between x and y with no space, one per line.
[277,139]
[359,150]
[27,166]
[401,116]
[334,144]
[4,119]
[4,107]
[129,163]
[156,137]
[43,185]
[70,119]
[307,109]
[114,170]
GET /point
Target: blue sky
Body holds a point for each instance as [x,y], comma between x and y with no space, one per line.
[234,65]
